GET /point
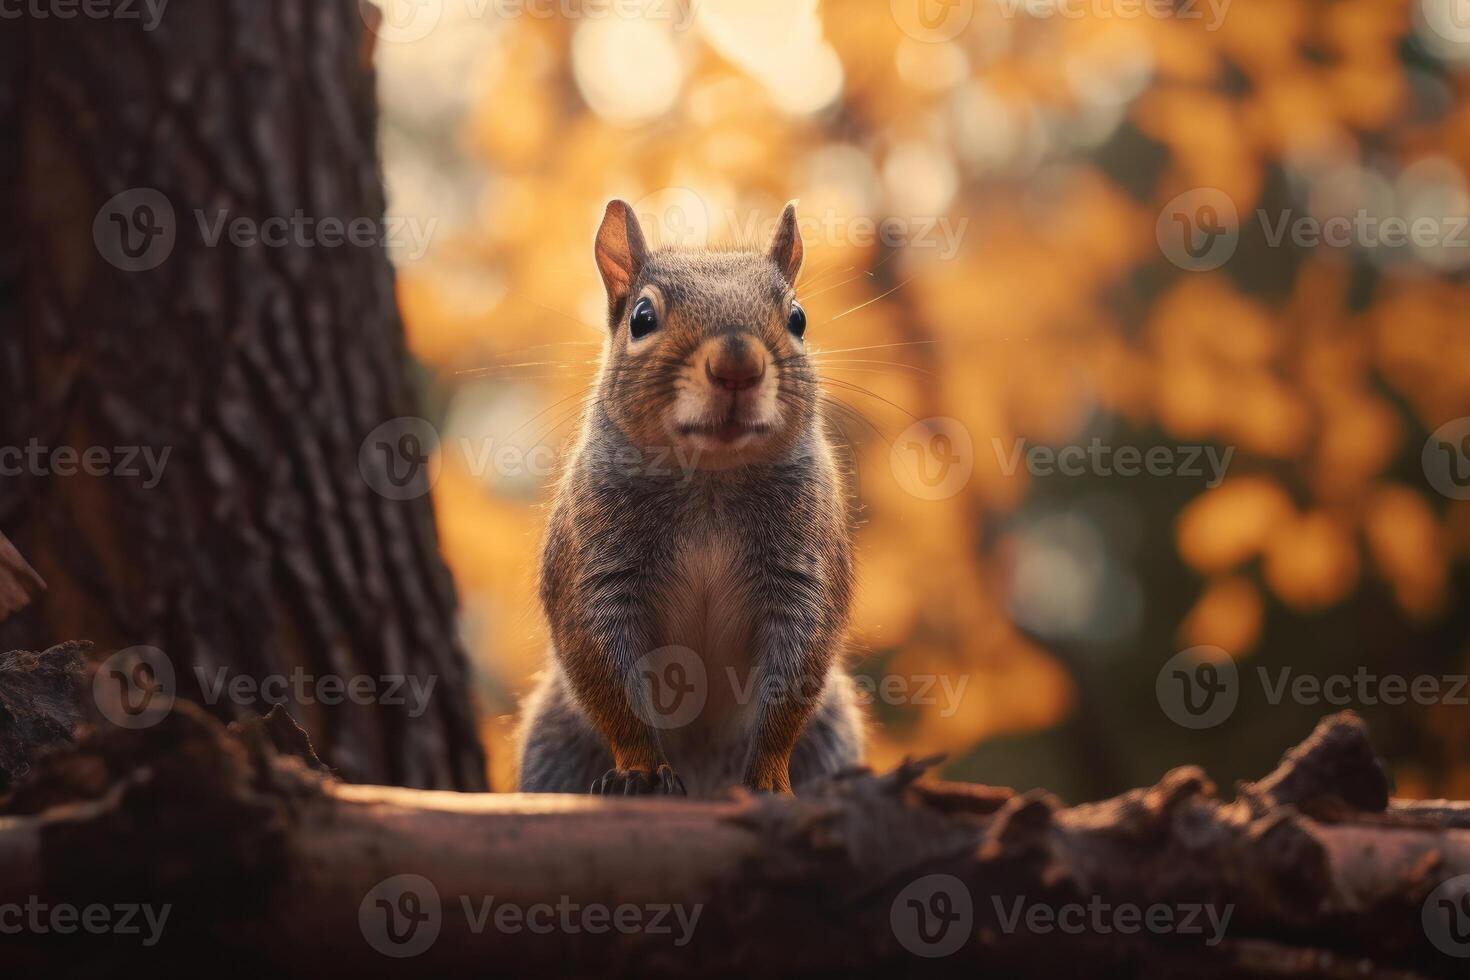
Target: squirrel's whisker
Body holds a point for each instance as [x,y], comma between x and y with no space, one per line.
[832,365]
[854,350]
[860,390]
[549,408]
[883,295]
[848,411]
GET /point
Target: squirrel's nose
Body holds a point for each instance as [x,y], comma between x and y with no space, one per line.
[735,370]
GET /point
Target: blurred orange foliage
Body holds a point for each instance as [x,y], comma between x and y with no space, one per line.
[1028,159]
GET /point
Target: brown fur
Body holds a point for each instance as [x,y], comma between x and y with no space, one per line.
[701,510]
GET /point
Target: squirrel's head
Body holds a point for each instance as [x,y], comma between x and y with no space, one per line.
[705,352]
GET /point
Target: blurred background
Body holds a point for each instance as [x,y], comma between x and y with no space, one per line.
[1030,225]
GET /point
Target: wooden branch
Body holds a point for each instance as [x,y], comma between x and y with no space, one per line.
[40,705]
[270,864]
[19,582]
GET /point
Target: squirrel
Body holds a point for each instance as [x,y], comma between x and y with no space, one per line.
[724,582]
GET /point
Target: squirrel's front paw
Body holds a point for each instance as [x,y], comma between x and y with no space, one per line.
[637,782]
[779,784]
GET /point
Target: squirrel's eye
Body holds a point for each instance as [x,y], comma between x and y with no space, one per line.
[644,320]
[797,323]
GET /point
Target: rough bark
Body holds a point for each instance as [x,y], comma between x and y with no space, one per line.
[259,369]
[272,866]
[41,704]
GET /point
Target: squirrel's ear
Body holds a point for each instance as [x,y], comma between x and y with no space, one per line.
[786,247]
[620,251]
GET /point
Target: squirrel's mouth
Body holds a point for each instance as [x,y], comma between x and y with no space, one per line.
[728,430]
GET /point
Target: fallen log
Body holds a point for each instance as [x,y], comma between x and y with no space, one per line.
[239,849]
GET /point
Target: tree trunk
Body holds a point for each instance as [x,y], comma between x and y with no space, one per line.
[256,547]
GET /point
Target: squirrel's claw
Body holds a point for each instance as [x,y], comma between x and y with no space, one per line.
[668,783]
[622,782]
[636,782]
